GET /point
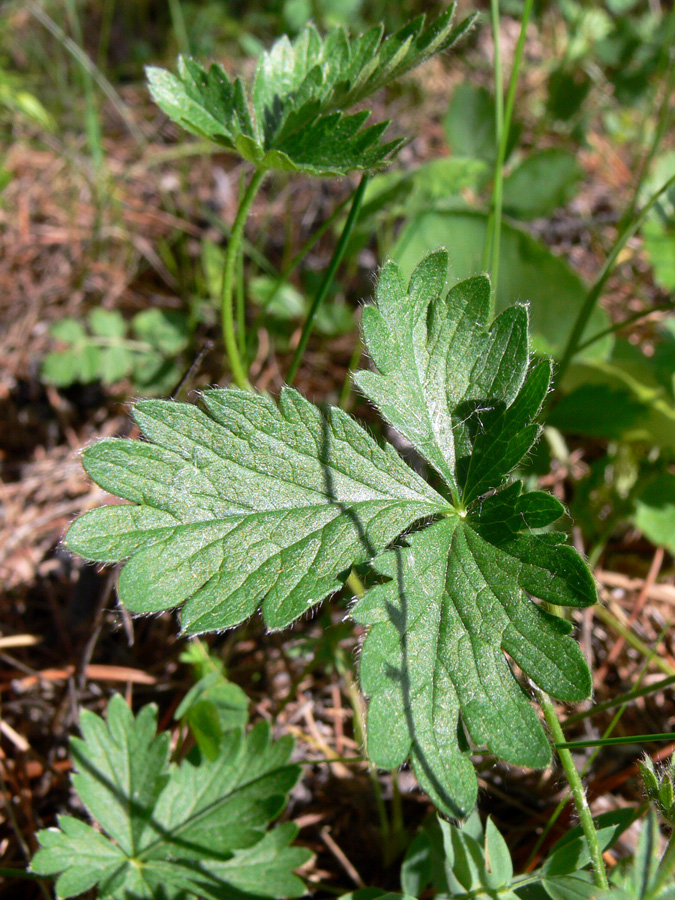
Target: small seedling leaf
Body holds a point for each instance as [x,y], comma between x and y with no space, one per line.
[196,829]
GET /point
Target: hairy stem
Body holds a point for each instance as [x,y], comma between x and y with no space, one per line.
[336,259]
[578,791]
[229,276]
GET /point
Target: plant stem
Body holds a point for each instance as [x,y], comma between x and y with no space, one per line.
[503,119]
[596,290]
[336,259]
[591,759]
[617,326]
[240,300]
[667,52]
[611,742]
[578,791]
[179,29]
[621,700]
[229,275]
[499,122]
[282,278]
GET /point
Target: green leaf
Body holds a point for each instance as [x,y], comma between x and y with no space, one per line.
[528,272]
[469,124]
[541,183]
[107,323]
[456,596]
[245,504]
[580,886]
[166,330]
[103,351]
[196,829]
[623,398]
[655,511]
[498,861]
[294,117]
[646,859]
[211,707]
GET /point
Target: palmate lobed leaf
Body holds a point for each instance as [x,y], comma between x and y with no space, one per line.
[245,504]
[196,829]
[294,116]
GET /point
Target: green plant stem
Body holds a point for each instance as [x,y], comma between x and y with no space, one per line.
[610,742]
[596,290]
[241,308]
[617,326]
[578,791]
[621,700]
[499,122]
[667,51]
[503,128]
[336,259]
[229,275]
[282,278]
[11,872]
[591,759]
[178,22]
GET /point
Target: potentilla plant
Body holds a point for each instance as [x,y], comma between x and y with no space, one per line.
[239,503]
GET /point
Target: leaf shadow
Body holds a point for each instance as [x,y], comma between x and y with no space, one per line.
[398,617]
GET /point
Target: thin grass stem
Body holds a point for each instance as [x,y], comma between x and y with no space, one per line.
[83,60]
[611,742]
[283,276]
[336,259]
[503,127]
[617,326]
[621,700]
[594,294]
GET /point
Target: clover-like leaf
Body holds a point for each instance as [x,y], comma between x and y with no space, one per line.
[103,350]
[245,504]
[294,117]
[192,830]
